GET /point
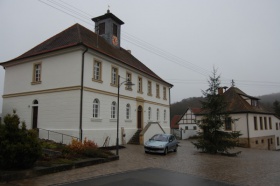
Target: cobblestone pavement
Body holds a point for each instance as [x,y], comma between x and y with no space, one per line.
[251,167]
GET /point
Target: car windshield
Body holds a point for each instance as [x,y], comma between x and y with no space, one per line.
[159,138]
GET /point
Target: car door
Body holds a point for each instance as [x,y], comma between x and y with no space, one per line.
[171,144]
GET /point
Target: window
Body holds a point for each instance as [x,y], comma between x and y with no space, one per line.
[228,123]
[150,88]
[128,78]
[97,71]
[254,102]
[113,110]
[164,93]
[101,28]
[95,108]
[257,142]
[256,123]
[128,111]
[139,85]
[265,123]
[277,141]
[37,70]
[115,30]
[149,113]
[164,115]
[276,124]
[114,76]
[157,91]
[186,128]
[270,124]
[261,123]
[194,127]
[157,114]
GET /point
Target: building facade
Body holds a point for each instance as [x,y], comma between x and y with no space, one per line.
[260,128]
[69,84]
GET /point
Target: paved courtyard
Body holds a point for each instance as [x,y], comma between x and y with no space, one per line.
[251,167]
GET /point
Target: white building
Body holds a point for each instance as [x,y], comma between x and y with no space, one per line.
[69,84]
[187,123]
[260,128]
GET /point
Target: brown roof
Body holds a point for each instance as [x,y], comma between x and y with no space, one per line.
[79,35]
[174,122]
[237,104]
[196,110]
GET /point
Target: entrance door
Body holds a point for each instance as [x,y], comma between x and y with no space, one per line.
[139,117]
[268,144]
[35,117]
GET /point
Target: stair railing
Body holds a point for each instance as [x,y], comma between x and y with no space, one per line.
[62,135]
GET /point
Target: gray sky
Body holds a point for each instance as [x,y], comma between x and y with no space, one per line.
[180,40]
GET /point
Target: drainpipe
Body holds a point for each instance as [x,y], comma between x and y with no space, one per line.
[82,95]
[248,130]
[169,110]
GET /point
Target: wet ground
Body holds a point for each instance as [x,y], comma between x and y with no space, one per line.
[251,167]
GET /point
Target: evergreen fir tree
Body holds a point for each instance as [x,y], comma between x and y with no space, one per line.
[212,138]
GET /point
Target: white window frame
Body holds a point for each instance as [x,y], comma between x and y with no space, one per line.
[96,108]
[113,110]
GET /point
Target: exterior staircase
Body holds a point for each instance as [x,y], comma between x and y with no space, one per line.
[135,138]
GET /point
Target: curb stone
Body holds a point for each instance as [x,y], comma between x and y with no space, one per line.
[7,176]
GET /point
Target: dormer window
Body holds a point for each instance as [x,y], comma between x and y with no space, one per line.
[254,102]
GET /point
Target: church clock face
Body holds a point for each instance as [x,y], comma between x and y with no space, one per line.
[115,40]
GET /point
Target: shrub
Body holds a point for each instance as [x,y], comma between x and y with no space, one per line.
[19,147]
[86,148]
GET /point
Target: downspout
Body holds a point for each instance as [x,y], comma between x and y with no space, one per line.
[248,130]
[82,95]
[170,111]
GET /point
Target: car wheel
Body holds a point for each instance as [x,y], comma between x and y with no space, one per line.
[165,151]
[175,150]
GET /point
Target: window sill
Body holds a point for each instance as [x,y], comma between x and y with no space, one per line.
[97,80]
[114,85]
[140,92]
[113,120]
[128,120]
[96,119]
[36,82]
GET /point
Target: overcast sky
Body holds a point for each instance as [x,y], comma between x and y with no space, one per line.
[180,40]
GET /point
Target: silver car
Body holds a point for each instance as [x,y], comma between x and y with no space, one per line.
[161,143]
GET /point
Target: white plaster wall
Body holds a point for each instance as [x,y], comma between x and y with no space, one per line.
[152,130]
[57,111]
[57,71]
[188,133]
[106,78]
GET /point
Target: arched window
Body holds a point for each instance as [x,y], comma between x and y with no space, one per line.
[149,113]
[113,110]
[128,111]
[164,115]
[157,114]
[35,102]
[95,108]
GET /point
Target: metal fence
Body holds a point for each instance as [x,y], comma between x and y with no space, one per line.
[55,136]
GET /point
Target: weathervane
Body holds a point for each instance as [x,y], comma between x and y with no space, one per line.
[108,11]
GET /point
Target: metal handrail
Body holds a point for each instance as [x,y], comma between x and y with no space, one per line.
[58,133]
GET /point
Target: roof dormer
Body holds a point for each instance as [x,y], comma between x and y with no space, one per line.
[108,26]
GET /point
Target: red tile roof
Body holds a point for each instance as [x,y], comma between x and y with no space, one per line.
[79,35]
[237,104]
[174,122]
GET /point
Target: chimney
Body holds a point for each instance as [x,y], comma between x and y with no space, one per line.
[220,90]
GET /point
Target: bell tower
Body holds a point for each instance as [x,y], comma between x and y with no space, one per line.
[108,26]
